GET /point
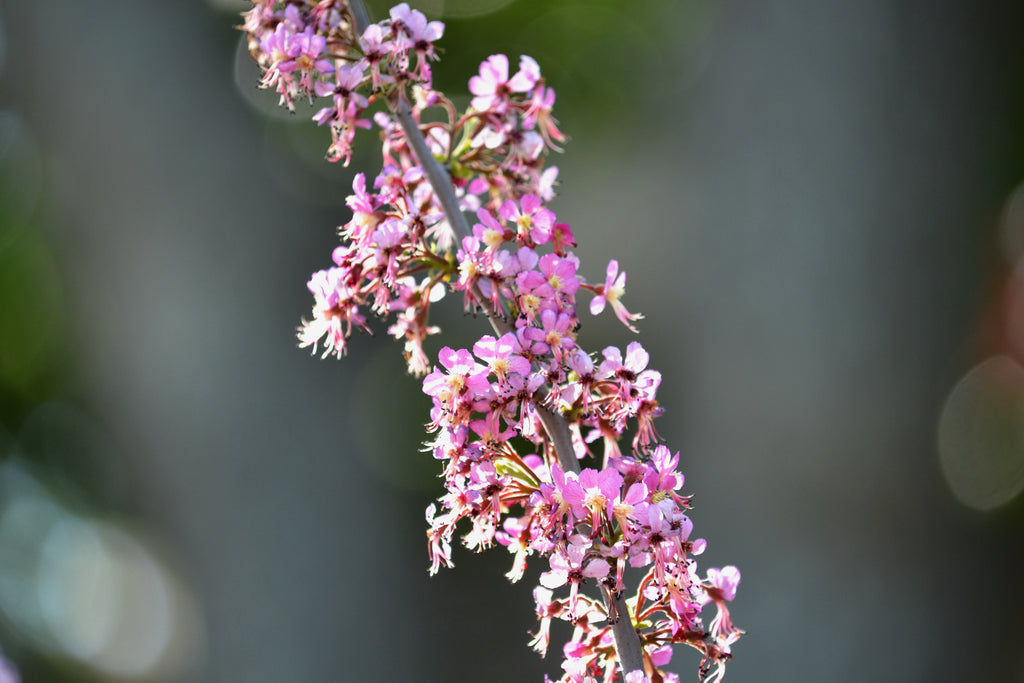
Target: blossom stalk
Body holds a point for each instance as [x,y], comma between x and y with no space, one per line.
[513,418]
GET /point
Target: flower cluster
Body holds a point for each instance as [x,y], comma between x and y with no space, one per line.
[309,49]
[588,525]
[512,418]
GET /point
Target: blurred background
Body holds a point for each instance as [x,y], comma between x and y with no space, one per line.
[817,203]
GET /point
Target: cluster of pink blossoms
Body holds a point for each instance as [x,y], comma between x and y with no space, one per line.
[493,407]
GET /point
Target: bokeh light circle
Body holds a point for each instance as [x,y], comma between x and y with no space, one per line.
[981,434]
[91,590]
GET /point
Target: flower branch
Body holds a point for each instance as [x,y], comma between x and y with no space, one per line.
[531,384]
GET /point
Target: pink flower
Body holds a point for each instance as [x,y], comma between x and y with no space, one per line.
[376,47]
[539,114]
[347,79]
[562,238]
[601,489]
[412,327]
[418,34]
[534,222]
[364,215]
[622,508]
[306,48]
[555,333]
[343,115]
[544,187]
[489,230]
[610,292]
[534,294]
[661,475]
[291,52]
[502,355]
[515,535]
[547,608]
[573,567]
[527,76]
[723,583]
[438,547]
[492,86]
[389,240]
[456,390]
[721,587]
[624,370]
[560,274]
[414,23]
[335,312]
